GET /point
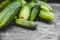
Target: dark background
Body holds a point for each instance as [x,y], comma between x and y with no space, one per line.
[54,1]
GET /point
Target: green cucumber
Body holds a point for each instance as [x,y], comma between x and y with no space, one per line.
[46,15]
[4,4]
[26,24]
[17,0]
[8,14]
[23,2]
[25,11]
[34,13]
[45,6]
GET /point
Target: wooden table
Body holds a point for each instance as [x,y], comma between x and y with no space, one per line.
[44,31]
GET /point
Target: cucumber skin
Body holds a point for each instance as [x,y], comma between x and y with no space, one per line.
[26,24]
[25,12]
[9,15]
[46,15]
[23,2]
[4,4]
[34,13]
[16,0]
[45,6]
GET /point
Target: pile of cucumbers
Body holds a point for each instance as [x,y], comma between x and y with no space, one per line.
[24,12]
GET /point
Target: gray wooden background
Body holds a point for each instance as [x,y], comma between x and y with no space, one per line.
[44,30]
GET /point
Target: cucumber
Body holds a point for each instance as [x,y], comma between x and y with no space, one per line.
[32,4]
[23,2]
[8,14]
[4,4]
[34,13]
[46,15]
[45,6]
[16,0]
[26,24]
[25,11]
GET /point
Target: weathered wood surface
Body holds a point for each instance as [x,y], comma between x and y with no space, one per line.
[44,31]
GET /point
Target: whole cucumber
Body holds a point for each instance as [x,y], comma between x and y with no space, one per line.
[34,12]
[46,15]
[26,24]
[8,14]
[25,11]
[45,6]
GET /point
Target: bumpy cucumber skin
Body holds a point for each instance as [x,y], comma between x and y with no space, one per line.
[46,15]
[32,4]
[4,4]
[23,2]
[9,13]
[26,24]
[25,12]
[34,13]
[45,6]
